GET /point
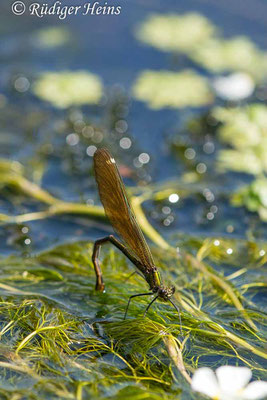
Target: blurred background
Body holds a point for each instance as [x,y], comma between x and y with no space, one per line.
[175,89]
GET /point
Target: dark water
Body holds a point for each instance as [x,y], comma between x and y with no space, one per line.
[106,45]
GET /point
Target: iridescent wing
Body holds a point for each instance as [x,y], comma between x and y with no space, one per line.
[118,208]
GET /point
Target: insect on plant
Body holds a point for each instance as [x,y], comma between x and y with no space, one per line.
[121,215]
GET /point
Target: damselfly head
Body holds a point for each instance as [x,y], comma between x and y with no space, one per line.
[165,292]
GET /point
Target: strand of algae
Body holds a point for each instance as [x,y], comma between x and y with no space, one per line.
[19,368]
[157,239]
[31,189]
[175,353]
[39,331]
[149,333]
[60,207]
[196,262]
[223,284]
[91,344]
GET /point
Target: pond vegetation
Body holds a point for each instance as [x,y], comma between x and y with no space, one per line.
[206,225]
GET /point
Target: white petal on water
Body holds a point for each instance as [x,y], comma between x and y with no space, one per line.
[231,379]
[234,87]
[204,381]
[255,391]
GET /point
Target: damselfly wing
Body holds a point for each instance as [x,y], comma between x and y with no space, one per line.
[118,208]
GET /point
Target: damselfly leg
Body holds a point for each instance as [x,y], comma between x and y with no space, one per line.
[135,295]
[97,245]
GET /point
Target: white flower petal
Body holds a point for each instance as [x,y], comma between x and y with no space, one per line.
[234,87]
[255,390]
[232,379]
[204,381]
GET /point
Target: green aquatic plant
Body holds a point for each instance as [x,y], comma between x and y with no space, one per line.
[11,174]
[196,36]
[247,161]
[234,54]
[68,88]
[241,148]
[253,197]
[57,207]
[174,32]
[244,129]
[61,339]
[52,37]
[160,89]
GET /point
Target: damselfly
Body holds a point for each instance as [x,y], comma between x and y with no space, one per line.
[121,215]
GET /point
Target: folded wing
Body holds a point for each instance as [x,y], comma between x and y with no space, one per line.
[118,208]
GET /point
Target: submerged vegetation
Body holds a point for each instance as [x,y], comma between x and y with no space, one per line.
[53,324]
[206,225]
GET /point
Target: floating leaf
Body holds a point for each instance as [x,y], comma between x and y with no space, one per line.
[52,37]
[66,88]
[196,36]
[173,32]
[161,89]
[236,54]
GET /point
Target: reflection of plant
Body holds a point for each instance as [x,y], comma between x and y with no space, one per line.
[245,129]
[64,89]
[170,89]
[175,32]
